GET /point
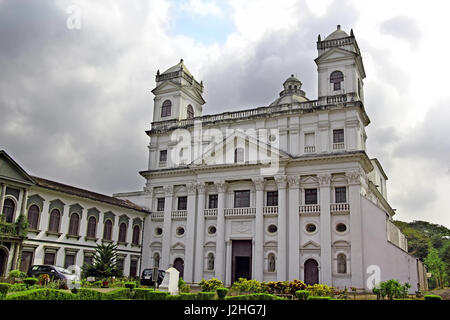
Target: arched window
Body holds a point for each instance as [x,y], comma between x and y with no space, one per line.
[107,230]
[92,227]
[166,109]
[136,231]
[238,155]
[190,112]
[74,224]
[156,260]
[123,232]
[341,263]
[271,266]
[33,217]
[9,207]
[336,78]
[210,261]
[55,217]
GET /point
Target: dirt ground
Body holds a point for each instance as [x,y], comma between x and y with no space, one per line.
[444,293]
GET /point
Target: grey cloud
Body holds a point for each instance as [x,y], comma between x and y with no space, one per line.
[402,27]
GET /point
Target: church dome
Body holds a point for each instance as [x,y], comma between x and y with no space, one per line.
[292,92]
[337,34]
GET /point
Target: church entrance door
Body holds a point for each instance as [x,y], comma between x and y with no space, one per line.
[179,265]
[3,261]
[311,271]
[241,263]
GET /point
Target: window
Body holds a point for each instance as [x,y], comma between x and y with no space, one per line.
[242,199]
[341,263]
[49,258]
[69,260]
[156,260]
[271,266]
[238,155]
[136,236]
[212,230]
[310,227]
[180,231]
[166,109]
[341,227]
[210,261]
[123,232]
[9,207]
[107,231]
[92,227]
[190,112]
[120,263]
[182,203]
[272,228]
[26,260]
[74,224]
[133,268]
[163,156]
[310,142]
[158,231]
[160,204]
[33,217]
[338,136]
[336,78]
[55,217]
[340,194]
[310,196]
[212,203]
[88,259]
[272,198]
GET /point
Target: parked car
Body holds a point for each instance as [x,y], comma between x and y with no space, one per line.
[55,273]
[147,277]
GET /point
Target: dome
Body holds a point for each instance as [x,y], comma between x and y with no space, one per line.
[292,92]
[337,34]
[180,65]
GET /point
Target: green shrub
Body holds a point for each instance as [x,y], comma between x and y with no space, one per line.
[4,287]
[42,294]
[88,294]
[117,294]
[319,298]
[206,295]
[16,274]
[142,293]
[391,289]
[210,285]
[238,297]
[188,296]
[173,297]
[320,290]
[30,281]
[16,287]
[302,294]
[244,285]
[432,297]
[130,285]
[260,296]
[221,293]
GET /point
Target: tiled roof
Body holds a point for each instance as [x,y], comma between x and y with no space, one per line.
[52,185]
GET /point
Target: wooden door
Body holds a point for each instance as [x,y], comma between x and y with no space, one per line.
[311,271]
[179,265]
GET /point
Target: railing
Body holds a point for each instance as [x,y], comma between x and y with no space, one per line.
[309,208]
[338,146]
[158,215]
[270,211]
[210,212]
[7,229]
[322,101]
[339,208]
[240,212]
[335,43]
[162,164]
[179,214]
[310,149]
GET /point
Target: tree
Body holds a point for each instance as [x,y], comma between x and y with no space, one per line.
[104,263]
[436,266]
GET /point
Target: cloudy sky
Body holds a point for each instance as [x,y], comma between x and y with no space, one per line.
[75,94]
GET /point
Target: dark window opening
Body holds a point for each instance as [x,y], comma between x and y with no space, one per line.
[310,196]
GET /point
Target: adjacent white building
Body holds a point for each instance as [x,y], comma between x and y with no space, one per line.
[280,192]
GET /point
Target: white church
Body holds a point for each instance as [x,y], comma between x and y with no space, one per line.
[279,192]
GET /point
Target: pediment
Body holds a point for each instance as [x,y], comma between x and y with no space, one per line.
[341,244]
[10,170]
[222,151]
[308,179]
[210,244]
[178,246]
[336,54]
[166,86]
[311,245]
[270,244]
[155,244]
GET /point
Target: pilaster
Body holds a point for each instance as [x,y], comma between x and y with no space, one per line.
[167,227]
[294,227]
[200,239]
[259,229]
[220,239]
[190,234]
[282,234]
[325,229]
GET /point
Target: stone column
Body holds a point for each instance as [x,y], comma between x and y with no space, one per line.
[190,234]
[325,229]
[282,234]
[147,230]
[2,199]
[219,264]
[356,267]
[201,187]
[228,264]
[167,228]
[294,228]
[23,208]
[259,229]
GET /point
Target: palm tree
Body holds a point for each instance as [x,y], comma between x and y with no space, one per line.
[104,262]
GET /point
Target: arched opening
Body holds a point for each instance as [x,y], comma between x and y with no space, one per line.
[210,261]
[271,264]
[55,217]
[33,217]
[166,109]
[92,227]
[74,224]
[341,263]
[3,261]
[107,231]
[136,231]
[123,232]
[178,264]
[190,112]
[336,78]
[239,155]
[311,271]
[9,207]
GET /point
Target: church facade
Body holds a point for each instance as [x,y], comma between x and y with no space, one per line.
[281,192]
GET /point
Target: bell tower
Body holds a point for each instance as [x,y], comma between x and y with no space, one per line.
[339,65]
[178,95]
